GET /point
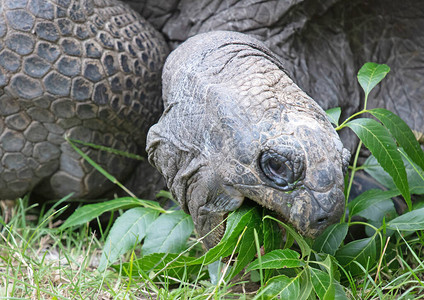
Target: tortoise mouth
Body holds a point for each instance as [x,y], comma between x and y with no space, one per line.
[221,228]
[215,235]
[311,231]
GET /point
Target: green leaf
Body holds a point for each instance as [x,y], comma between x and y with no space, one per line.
[272,235]
[382,146]
[330,240]
[376,213]
[303,245]
[129,229]
[402,133]
[245,217]
[215,271]
[286,287]
[168,233]
[236,223]
[247,248]
[415,182]
[373,168]
[237,220]
[330,292]
[328,262]
[277,259]
[164,194]
[415,174]
[322,283]
[340,293]
[411,221]
[173,265]
[333,115]
[369,198]
[379,213]
[362,251]
[370,75]
[89,212]
[272,239]
[306,286]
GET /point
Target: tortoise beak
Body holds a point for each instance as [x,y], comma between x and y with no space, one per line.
[313,211]
[211,226]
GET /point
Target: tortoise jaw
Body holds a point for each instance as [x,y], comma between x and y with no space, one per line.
[307,216]
[211,227]
[215,236]
[310,217]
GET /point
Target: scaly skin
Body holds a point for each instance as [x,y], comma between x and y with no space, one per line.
[235,126]
[89,70]
[322,45]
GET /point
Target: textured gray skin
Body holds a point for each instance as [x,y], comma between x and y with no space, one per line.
[219,123]
[322,44]
[44,55]
[89,70]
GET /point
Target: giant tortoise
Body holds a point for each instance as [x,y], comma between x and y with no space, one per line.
[239,121]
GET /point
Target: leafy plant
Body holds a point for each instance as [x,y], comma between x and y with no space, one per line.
[321,265]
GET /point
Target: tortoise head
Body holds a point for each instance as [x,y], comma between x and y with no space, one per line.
[236,127]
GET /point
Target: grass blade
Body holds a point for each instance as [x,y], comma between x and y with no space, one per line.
[99,168]
[108,149]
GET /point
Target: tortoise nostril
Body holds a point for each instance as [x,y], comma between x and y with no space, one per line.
[322,221]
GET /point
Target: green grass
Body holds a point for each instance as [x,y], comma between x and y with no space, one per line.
[37,261]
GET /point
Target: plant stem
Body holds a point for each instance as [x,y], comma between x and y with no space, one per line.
[366,100]
[377,230]
[355,161]
[352,175]
[341,126]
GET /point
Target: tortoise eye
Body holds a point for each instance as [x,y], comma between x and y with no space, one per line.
[279,169]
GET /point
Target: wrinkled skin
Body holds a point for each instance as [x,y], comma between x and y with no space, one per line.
[226,136]
[322,45]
